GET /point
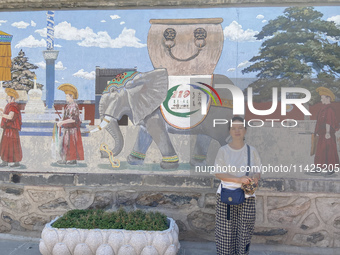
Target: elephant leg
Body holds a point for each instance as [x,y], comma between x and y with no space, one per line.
[199,155]
[140,148]
[156,127]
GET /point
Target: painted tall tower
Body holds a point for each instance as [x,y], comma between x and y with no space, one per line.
[50,55]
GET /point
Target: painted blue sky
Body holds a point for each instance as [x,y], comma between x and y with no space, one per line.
[117,39]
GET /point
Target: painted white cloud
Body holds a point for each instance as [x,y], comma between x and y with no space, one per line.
[243,64]
[41,64]
[33,24]
[31,42]
[85,75]
[260,16]
[88,38]
[20,24]
[114,17]
[64,30]
[264,21]
[102,39]
[231,70]
[234,32]
[336,19]
[2,21]
[103,21]
[58,66]
[122,23]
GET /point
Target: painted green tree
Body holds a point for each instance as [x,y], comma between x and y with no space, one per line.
[299,49]
[22,76]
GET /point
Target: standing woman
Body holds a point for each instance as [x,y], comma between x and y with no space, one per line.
[72,145]
[235,223]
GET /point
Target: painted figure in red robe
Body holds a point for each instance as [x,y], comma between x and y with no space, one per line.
[72,145]
[326,125]
[10,147]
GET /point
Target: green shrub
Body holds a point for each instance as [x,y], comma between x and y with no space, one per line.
[91,218]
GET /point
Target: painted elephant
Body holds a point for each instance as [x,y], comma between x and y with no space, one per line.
[139,96]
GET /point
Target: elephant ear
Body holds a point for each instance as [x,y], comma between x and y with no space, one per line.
[146,92]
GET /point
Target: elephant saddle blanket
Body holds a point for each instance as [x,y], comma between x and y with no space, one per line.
[188,100]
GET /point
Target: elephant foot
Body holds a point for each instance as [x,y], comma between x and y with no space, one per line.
[132,160]
[169,165]
[197,162]
[104,154]
[170,162]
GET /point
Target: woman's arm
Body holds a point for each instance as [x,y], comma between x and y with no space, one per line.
[7,116]
[67,121]
[231,178]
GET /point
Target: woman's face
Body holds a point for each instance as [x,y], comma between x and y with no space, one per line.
[238,131]
[69,98]
[325,99]
[9,99]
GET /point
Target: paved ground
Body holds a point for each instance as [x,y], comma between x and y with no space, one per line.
[18,245]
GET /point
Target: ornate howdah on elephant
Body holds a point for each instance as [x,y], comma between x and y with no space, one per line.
[178,97]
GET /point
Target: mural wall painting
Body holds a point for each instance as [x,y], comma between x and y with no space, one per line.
[170,92]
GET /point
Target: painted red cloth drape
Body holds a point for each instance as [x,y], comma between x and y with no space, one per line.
[10,147]
[72,146]
[326,150]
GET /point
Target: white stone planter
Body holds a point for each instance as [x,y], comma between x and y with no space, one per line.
[72,241]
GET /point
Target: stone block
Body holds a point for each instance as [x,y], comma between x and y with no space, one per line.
[57,205]
[291,213]
[270,231]
[268,235]
[169,200]
[202,223]
[109,179]
[34,221]
[328,207]
[320,239]
[271,185]
[336,223]
[43,179]
[41,195]
[177,181]
[310,222]
[102,200]
[274,202]
[210,201]
[81,199]
[14,191]
[126,197]
[4,176]
[15,205]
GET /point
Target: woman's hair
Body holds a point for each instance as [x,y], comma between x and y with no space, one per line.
[237,118]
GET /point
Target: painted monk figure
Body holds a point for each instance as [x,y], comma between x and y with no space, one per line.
[325,128]
[10,147]
[72,145]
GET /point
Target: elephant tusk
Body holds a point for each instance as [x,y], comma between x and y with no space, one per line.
[102,125]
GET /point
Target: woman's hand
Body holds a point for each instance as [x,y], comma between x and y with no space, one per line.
[244,179]
[60,123]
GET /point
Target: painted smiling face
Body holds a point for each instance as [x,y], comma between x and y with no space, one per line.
[185,46]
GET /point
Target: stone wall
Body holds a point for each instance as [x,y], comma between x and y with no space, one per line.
[10,5]
[289,211]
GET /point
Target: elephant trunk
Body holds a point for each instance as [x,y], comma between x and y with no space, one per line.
[116,133]
[111,125]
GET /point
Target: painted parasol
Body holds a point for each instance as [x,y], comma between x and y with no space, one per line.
[5,56]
